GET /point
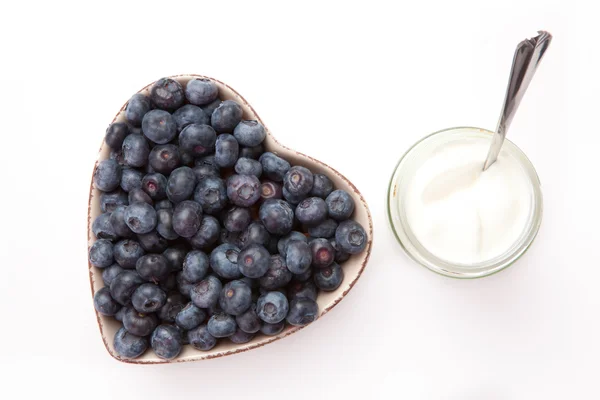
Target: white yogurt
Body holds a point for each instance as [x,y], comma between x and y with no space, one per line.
[462,214]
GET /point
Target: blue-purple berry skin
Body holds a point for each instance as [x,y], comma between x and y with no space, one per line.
[226,116]
[136,108]
[311,211]
[201,91]
[107,176]
[167,94]
[188,115]
[351,237]
[249,133]
[274,167]
[277,216]
[166,341]
[340,205]
[226,150]
[243,190]
[159,126]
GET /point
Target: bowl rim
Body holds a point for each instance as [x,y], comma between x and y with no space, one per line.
[357,195]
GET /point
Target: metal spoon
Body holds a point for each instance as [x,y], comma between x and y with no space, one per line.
[527,57]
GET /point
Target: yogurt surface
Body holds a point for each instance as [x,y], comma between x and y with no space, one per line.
[462,214]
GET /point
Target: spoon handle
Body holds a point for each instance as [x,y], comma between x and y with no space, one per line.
[527,57]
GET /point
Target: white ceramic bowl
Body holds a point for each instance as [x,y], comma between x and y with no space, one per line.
[326,300]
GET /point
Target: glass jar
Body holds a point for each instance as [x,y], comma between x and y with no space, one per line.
[397,216]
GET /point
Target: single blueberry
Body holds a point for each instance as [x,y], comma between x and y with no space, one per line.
[329,278]
[243,190]
[101,253]
[250,133]
[270,190]
[174,303]
[240,337]
[223,260]
[236,219]
[187,218]
[164,204]
[107,175]
[119,315]
[148,298]
[323,253]
[123,286]
[283,242]
[205,293]
[102,228]
[298,256]
[195,266]
[249,321]
[311,211]
[181,184]
[152,242]
[140,217]
[153,267]
[303,311]
[127,252]
[302,289]
[226,150]
[274,167]
[340,205]
[129,345]
[252,152]
[110,273]
[159,126]
[226,117]
[188,115]
[254,261]
[200,339]
[139,324]
[166,341]
[167,94]
[351,237]
[104,303]
[131,179]
[207,234]
[248,166]
[175,256]
[137,107]
[190,317]
[201,91]
[325,229]
[164,158]
[277,216]
[255,233]
[198,140]
[235,297]
[221,325]
[298,181]
[164,225]
[138,195]
[322,186]
[292,199]
[117,221]
[272,329]
[135,150]
[211,194]
[115,134]
[155,185]
[109,201]
[277,276]
[184,286]
[272,307]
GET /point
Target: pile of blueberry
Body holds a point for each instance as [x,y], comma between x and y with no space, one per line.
[203,235]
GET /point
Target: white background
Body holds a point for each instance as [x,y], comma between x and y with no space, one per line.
[352,84]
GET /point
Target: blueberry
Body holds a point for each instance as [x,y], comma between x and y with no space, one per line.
[302,289]
[243,190]
[109,201]
[250,133]
[211,194]
[104,303]
[117,221]
[148,298]
[181,184]
[164,225]
[277,276]
[322,186]
[236,219]
[255,233]
[131,179]
[311,211]
[340,255]
[198,140]
[274,167]
[205,293]
[127,252]
[167,94]
[115,134]
[272,329]
[188,115]
[254,261]
[129,345]
[101,253]
[329,278]
[201,91]
[155,185]
[298,256]
[226,117]
[164,158]
[195,266]
[164,204]
[249,321]
[175,256]
[351,237]
[187,218]
[102,228]
[200,339]
[207,234]
[204,170]
[235,297]
[117,155]
[298,181]
[248,166]
[277,216]
[183,285]
[211,107]
[325,229]
[339,205]
[135,150]
[323,253]
[270,190]
[252,152]
[159,126]
[152,242]
[303,277]
[107,175]
[240,337]
[226,150]
[137,195]
[221,325]
[166,341]
[140,217]
[119,315]
[153,267]
[190,317]
[223,260]
[137,107]
[139,324]
[283,242]
[123,286]
[292,199]
[272,307]
[174,303]
[303,311]
[110,273]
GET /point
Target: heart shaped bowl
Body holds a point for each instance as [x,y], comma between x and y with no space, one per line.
[353,267]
